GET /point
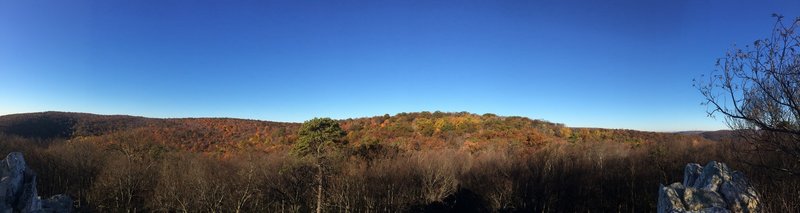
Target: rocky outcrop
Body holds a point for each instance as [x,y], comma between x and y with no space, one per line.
[18,189]
[712,188]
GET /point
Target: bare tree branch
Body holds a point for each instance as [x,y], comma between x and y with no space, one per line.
[757,90]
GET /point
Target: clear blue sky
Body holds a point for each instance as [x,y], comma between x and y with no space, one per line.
[611,64]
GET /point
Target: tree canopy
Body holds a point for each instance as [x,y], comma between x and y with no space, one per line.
[317,135]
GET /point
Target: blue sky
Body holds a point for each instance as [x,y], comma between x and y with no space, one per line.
[611,64]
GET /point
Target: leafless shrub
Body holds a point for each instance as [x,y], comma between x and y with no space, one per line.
[438,172]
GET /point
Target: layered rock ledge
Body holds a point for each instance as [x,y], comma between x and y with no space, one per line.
[18,189]
[711,188]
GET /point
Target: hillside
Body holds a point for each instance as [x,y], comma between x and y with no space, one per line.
[408,162]
[194,134]
[404,131]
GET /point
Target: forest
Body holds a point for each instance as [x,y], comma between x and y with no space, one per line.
[643,65]
[408,162]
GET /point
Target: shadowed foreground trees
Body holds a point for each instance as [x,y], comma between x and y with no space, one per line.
[558,177]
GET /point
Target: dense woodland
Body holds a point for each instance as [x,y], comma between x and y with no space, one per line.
[409,162]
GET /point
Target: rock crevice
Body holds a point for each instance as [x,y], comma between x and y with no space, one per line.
[710,188]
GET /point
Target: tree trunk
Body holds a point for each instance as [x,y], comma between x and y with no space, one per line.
[319,188]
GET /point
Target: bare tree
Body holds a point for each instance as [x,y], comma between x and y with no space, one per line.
[757,91]
[438,171]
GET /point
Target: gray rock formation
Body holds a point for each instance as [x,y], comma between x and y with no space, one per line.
[18,189]
[712,188]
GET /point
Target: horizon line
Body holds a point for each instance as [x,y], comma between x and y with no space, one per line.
[354,118]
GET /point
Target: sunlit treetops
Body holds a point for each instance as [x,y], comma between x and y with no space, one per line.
[403,131]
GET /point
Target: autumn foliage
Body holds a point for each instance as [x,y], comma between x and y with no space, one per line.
[409,162]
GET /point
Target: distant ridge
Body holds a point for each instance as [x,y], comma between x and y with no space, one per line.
[403,131]
[718,135]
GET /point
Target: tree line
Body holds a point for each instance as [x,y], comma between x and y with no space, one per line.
[138,174]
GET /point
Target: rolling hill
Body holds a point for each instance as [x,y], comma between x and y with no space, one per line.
[403,131]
